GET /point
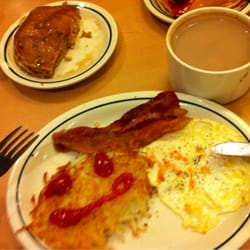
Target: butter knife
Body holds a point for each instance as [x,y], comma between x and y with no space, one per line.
[232,148]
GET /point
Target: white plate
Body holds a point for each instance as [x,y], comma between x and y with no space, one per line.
[165,230]
[165,17]
[84,63]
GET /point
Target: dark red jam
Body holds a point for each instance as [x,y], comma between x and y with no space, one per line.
[180,2]
[59,185]
[103,165]
[178,7]
[64,217]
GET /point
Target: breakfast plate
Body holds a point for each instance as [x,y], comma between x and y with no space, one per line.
[165,16]
[164,228]
[87,57]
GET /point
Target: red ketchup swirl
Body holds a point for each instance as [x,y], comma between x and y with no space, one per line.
[64,217]
[103,165]
[59,185]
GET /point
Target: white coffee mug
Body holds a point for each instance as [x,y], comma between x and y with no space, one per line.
[223,85]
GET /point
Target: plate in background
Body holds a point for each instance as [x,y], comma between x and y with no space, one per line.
[164,16]
[91,59]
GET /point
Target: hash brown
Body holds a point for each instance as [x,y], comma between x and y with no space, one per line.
[112,218]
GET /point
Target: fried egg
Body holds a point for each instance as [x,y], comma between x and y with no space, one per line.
[195,183]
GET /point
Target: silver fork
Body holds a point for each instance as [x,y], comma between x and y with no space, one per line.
[13,146]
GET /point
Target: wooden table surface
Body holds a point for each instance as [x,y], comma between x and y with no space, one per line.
[138,63]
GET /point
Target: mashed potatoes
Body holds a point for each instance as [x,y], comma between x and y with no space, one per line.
[192,181]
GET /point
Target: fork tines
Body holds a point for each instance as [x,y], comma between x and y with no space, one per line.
[14,145]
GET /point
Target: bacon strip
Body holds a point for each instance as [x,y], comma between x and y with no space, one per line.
[136,128]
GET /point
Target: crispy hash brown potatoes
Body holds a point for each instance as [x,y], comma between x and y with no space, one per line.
[109,219]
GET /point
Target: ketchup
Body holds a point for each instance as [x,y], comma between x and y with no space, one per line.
[64,217]
[103,165]
[59,185]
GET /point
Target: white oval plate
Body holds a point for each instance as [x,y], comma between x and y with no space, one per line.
[165,17]
[164,230]
[85,62]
